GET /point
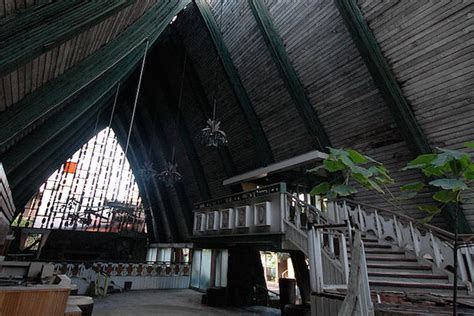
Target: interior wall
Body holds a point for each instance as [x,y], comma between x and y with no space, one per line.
[429,48]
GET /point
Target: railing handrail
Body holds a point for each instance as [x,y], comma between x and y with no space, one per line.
[266,289]
[439,232]
[312,208]
[108,262]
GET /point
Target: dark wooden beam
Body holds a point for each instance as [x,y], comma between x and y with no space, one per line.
[261,143]
[390,89]
[199,94]
[173,210]
[49,26]
[49,161]
[169,101]
[60,123]
[157,153]
[161,217]
[288,74]
[20,176]
[124,51]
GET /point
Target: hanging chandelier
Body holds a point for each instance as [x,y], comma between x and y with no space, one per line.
[147,171]
[170,175]
[212,135]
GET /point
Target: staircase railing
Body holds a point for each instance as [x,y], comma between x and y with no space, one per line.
[424,240]
[321,240]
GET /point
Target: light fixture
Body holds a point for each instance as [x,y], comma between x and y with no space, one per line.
[170,175]
[212,135]
[147,171]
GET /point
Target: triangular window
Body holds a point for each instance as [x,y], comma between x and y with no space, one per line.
[94,190]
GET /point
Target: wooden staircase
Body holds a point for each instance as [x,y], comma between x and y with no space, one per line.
[400,256]
[392,269]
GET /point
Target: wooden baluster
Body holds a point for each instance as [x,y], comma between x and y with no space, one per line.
[377,225]
[436,252]
[343,256]
[331,243]
[298,216]
[361,219]
[398,232]
[315,260]
[462,273]
[467,254]
[416,242]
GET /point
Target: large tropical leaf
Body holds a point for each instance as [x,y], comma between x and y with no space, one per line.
[449,184]
[445,196]
[343,190]
[320,189]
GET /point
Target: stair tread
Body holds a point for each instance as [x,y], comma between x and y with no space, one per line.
[395,274]
[415,284]
[398,266]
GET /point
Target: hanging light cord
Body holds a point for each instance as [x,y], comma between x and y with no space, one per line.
[132,119]
[136,98]
[216,82]
[180,97]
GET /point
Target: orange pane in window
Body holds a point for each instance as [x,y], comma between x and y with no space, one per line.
[70,167]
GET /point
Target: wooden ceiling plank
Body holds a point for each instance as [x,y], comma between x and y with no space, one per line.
[30,112]
[30,43]
[262,146]
[287,72]
[390,89]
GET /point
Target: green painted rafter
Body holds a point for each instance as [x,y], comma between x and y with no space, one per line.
[162,204]
[263,149]
[160,151]
[390,89]
[65,19]
[288,74]
[40,105]
[50,159]
[192,78]
[152,83]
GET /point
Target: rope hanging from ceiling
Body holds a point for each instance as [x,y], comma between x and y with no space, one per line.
[211,134]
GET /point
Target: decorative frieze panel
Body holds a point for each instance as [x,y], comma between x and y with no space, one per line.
[262,214]
[199,221]
[258,211]
[212,220]
[242,216]
[226,218]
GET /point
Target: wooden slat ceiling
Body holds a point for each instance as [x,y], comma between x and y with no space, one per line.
[56,59]
[10,8]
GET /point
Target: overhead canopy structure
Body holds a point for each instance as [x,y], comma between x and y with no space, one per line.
[359,79]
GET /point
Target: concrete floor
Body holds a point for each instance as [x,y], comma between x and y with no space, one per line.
[162,302]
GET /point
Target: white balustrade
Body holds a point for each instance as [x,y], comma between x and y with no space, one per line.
[425,241]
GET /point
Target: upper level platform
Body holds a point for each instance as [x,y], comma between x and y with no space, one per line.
[259,217]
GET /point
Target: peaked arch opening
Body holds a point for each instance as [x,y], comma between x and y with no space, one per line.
[94,190]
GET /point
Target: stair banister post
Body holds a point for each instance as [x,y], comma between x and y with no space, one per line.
[361,219]
[345,261]
[398,231]
[436,252]
[467,254]
[298,215]
[416,242]
[331,243]
[377,225]
[462,273]
[364,278]
[315,262]
[284,210]
[319,261]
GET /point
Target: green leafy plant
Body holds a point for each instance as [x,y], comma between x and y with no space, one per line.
[450,174]
[348,167]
